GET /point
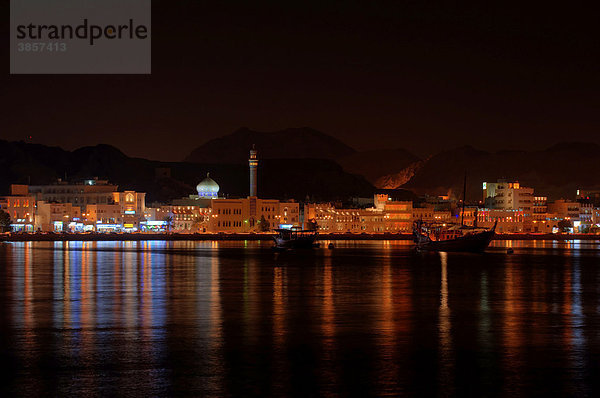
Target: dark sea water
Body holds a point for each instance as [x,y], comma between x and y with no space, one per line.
[235,319]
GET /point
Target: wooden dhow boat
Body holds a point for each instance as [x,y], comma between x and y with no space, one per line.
[295,238]
[451,238]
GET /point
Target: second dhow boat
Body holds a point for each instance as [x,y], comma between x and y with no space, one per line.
[452,238]
[294,238]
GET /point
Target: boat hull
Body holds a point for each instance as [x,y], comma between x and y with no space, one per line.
[305,242]
[471,243]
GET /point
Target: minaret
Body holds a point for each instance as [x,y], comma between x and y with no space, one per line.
[253,163]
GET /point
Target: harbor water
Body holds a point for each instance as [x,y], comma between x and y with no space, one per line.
[367,318]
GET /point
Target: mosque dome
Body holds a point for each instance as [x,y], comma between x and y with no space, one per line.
[208,188]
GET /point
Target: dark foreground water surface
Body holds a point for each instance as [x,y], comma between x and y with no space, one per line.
[235,319]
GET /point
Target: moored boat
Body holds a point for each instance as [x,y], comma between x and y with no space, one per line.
[453,238]
[294,238]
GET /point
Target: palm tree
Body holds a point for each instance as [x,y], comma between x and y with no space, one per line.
[169,220]
[263,224]
[4,221]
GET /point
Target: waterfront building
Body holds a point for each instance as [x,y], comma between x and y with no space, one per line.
[330,219]
[126,212]
[58,217]
[586,215]
[540,208]
[247,214]
[429,213]
[469,216]
[508,196]
[386,216]
[398,214]
[21,207]
[132,206]
[580,214]
[104,217]
[93,205]
[182,218]
[86,192]
[565,209]
[509,221]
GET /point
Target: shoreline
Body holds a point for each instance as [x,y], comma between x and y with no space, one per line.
[40,237]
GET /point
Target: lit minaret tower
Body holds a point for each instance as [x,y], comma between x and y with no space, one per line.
[253,163]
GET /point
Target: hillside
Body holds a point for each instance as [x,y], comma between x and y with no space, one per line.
[301,143]
[292,143]
[377,163]
[25,163]
[556,172]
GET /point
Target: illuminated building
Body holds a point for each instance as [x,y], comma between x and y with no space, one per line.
[333,220]
[235,215]
[104,217]
[387,216]
[579,213]
[508,196]
[509,221]
[92,191]
[58,217]
[21,207]
[90,205]
[586,215]
[468,219]
[397,214]
[132,206]
[540,208]
[564,209]
[429,213]
[182,218]
[125,212]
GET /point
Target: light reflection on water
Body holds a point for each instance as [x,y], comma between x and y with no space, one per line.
[445,332]
[234,318]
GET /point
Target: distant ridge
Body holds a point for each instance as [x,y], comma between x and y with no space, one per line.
[302,143]
[292,143]
[322,179]
[557,171]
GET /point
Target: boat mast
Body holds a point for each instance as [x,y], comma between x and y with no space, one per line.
[462,218]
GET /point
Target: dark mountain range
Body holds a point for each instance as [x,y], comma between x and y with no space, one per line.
[302,143]
[293,143]
[556,172]
[25,163]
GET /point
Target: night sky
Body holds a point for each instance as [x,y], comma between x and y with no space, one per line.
[391,74]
